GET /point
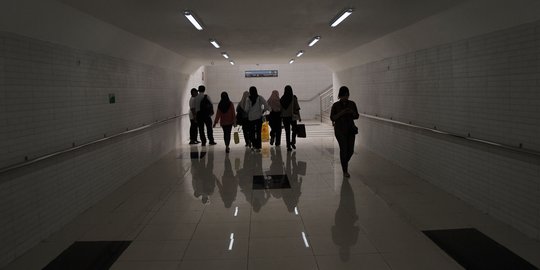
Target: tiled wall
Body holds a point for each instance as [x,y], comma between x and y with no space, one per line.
[487,86]
[52,97]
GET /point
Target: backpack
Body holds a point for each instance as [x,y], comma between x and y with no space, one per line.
[207,109]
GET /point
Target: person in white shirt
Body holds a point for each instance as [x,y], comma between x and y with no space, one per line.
[193,123]
[255,105]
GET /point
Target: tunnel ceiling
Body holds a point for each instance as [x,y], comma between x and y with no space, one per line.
[260,32]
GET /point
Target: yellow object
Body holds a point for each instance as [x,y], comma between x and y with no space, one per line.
[236,137]
[265,132]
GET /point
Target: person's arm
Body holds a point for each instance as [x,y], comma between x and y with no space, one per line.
[355,113]
[265,105]
[296,109]
[218,116]
[233,114]
[333,113]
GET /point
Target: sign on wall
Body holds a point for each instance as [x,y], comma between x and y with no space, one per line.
[261,73]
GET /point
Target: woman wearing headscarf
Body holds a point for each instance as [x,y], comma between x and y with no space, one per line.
[242,118]
[290,113]
[256,105]
[226,117]
[342,115]
[274,118]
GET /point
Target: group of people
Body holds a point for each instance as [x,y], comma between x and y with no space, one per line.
[249,113]
[282,110]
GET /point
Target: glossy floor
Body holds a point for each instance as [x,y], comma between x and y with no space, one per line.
[187,212]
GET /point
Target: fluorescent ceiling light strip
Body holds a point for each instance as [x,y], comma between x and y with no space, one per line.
[191,17]
[225,55]
[300,53]
[291,61]
[232,62]
[305,239]
[214,42]
[341,17]
[236,208]
[314,40]
[296,211]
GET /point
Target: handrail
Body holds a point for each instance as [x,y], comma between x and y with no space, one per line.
[61,152]
[317,95]
[469,138]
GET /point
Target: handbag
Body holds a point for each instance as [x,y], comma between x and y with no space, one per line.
[301,131]
[236,137]
[265,132]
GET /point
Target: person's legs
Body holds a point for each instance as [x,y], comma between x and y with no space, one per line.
[252,133]
[209,131]
[287,126]
[193,129]
[245,130]
[293,129]
[350,146]
[227,134]
[343,153]
[274,120]
[277,133]
[200,124]
[257,134]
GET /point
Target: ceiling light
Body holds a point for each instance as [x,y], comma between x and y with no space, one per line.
[232,62]
[299,53]
[342,16]
[214,42]
[191,17]
[225,55]
[292,61]
[314,40]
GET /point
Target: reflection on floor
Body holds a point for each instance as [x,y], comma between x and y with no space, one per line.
[204,213]
[271,181]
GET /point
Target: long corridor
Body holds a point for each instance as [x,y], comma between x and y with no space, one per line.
[200,208]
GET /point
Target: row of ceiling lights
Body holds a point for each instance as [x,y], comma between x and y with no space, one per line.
[335,22]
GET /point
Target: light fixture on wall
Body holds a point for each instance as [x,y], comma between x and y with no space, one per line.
[300,53]
[225,55]
[291,61]
[214,42]
[314,40]
[232,62]
[193,19]
[341,16]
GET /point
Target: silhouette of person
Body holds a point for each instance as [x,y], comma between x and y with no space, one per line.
[292,196]
[228,187]
[203,178]
[344,231]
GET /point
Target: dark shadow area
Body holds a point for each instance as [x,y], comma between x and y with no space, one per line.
[474,250]
[344,231]
[99,255]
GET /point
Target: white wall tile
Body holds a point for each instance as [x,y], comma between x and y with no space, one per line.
[486,86]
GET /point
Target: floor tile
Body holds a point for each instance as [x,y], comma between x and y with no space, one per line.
[290,263]
[226,248]
[146,265]
[352,262]
[154,251]
[278,247]
[207,264]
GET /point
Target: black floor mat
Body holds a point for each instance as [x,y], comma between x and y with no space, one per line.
[99,255]
[474,250]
